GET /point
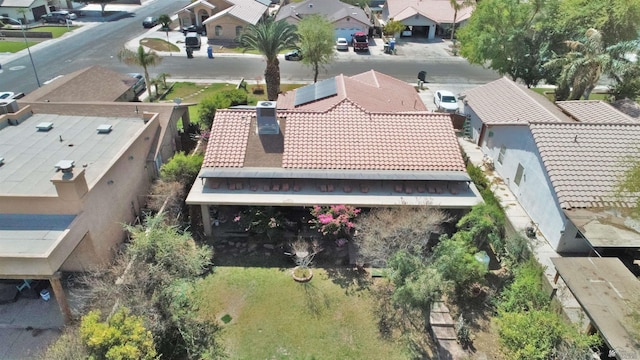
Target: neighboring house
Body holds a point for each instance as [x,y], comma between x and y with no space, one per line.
[31,10]
[425,18]
[327,145]
[561,162]
[82,85]
[346,18]
[224,20]
[72,173]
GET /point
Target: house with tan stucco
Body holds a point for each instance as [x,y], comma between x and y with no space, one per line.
[223,20]
[71,174]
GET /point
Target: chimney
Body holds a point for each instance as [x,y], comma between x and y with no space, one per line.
[70,185]
[266,119]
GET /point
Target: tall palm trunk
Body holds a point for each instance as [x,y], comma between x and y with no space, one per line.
[272,79]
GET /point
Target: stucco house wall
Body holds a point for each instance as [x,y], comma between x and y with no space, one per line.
[535,192]
[39,7]
[476,123]
[229,28]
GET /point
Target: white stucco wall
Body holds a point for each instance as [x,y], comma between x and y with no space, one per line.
[476,123]
[535,192]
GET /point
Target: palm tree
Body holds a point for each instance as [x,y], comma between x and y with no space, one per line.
[585,62]
[163,77]
[269,38]
[458,5]
[140,58]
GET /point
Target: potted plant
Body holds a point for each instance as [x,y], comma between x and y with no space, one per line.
[303,253]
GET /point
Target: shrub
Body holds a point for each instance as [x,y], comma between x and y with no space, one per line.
[484,222]
[261,220]
[526,292]
[530,335]
[454,258]
[121,337]
[334,219]
[182,168]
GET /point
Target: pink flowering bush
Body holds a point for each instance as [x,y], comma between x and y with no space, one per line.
[334,219]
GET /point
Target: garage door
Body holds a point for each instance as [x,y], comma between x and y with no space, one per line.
[346,33]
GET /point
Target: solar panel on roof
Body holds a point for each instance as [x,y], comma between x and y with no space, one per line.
[317,91]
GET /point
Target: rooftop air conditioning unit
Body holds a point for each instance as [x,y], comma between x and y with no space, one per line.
[267,120]
[44,126]
[9,107]
[104,129]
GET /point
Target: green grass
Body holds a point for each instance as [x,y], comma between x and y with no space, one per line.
[56,31]
[194,93]
[14,46]
[549,94]
[159,45]
[273,317]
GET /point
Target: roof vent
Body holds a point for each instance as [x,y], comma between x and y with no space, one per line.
[66,166]
[44,126]
[104,129]
[266,118]
[1,161]
[310,5]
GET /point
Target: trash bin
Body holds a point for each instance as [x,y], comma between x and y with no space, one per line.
[392,44]
[45,295]
[210,52]
[190,53]
[422,76]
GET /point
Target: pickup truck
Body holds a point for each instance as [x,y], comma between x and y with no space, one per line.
[360,42]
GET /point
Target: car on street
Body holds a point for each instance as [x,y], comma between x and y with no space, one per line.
[149,22]
[194,28]
[342,44]
[294,55]
[55,18]
[6,95]
[139,85]
[446,101]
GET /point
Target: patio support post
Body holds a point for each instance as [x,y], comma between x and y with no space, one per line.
[61,298]
[206,220]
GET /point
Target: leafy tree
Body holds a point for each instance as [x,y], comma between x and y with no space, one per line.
[416,284]
[628,186]
[165,20]
[222,100]
[270,37]
[454,258]
[620,18]
[530,335]
[484,223]
[122,337]
[393,27]
[586,61]
[182,168]
[458,5]
[384,231]
[142,59]
[508,37]
[316,42]
[103,4]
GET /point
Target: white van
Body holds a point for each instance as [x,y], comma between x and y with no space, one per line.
[192,40]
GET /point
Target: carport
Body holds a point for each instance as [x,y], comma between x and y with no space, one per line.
[605,229]
[34,247]
[608,293]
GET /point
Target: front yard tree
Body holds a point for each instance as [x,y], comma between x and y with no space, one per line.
[270,37]
[458,5]
[316,42]
[103,4]
[509,36]
[383,232]
[393,27]
[629,183]
[140,58]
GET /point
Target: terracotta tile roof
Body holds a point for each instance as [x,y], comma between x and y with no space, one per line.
[595,111]
[80,86]
[373,91]
[504,102]
[345,137]
[439,11]
[584,161]
[228,140]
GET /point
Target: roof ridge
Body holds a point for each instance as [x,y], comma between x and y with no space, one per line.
[530,94]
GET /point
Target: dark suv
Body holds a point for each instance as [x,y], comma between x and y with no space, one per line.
[56,18]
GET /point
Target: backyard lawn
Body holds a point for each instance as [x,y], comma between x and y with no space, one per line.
[265,314]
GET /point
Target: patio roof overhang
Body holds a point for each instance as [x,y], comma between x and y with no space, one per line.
[378,193]
[34,246]
[607,292]
[606,228]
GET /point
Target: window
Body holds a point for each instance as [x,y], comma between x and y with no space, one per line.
[238,30]
[519,173]
[218,30]
[503,149]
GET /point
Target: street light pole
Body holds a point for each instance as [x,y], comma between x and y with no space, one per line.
[24,35]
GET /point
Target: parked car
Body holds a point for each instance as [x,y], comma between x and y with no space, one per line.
[192,41]
[194,28]
[445,101]
[6,95]
[139,85]
[68,14]
[342,44]
[149,22]
[55,18]
[294,55]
